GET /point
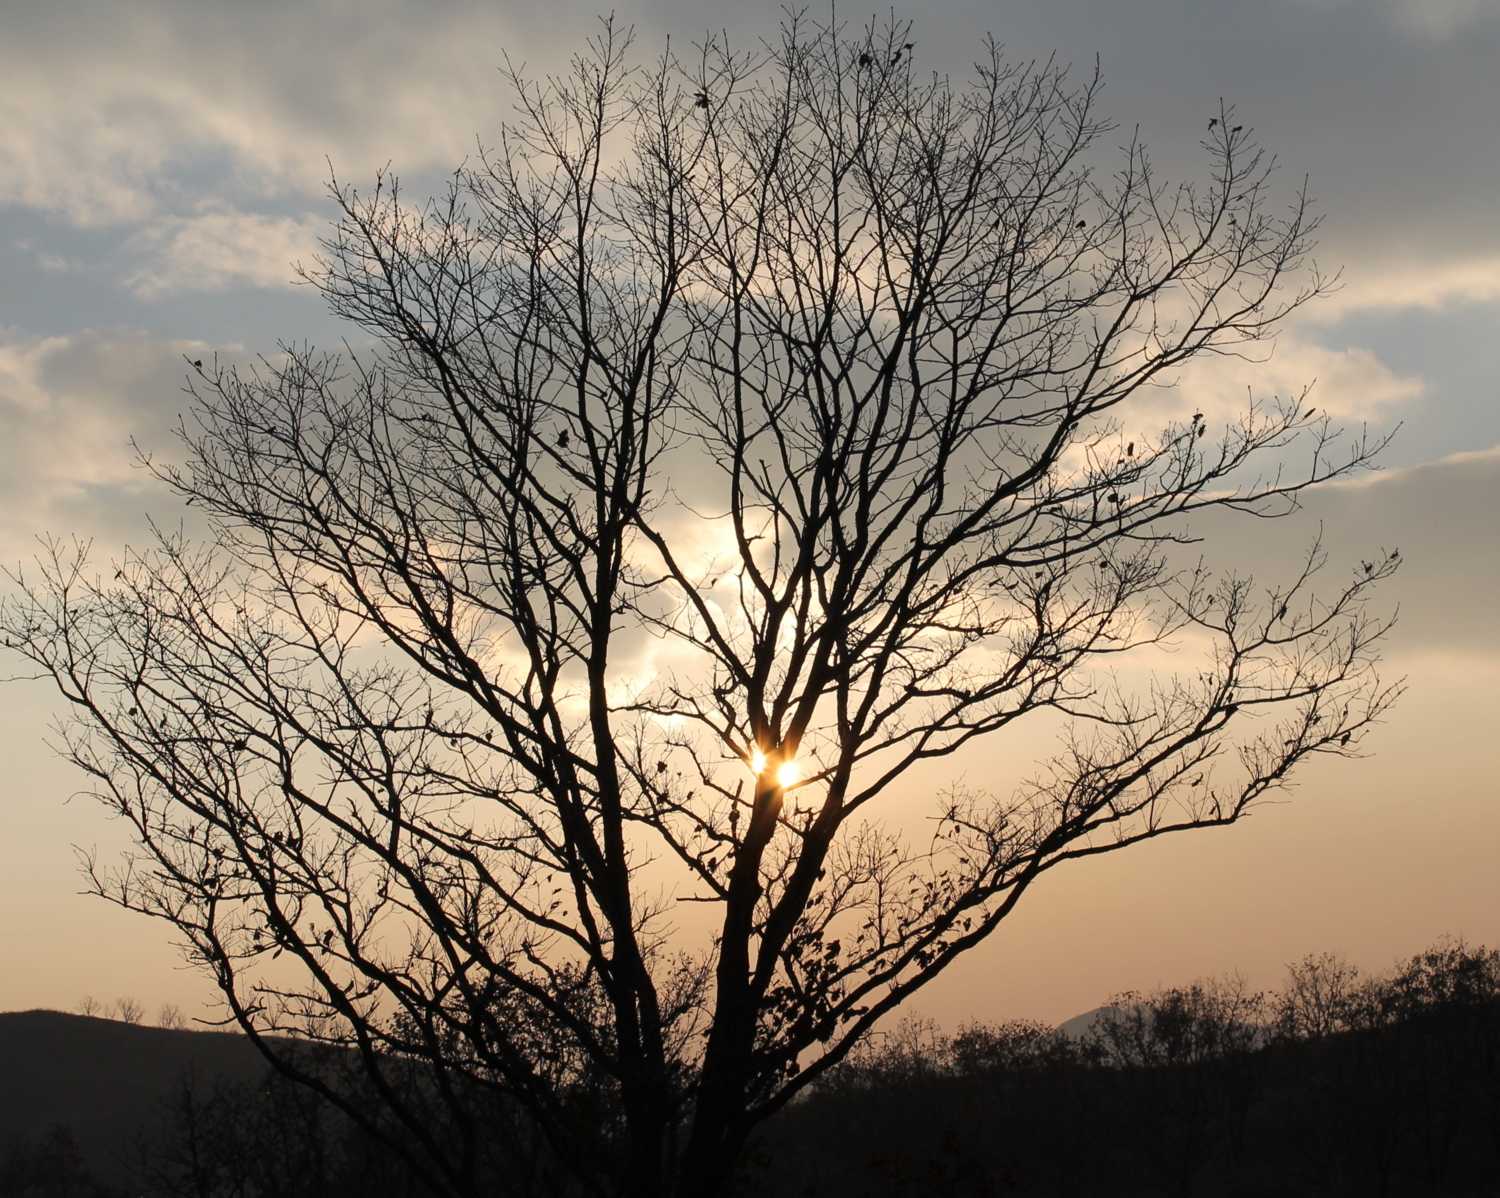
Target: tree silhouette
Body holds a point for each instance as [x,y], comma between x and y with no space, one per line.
[739,434]
[127,1010]
[1187,1061]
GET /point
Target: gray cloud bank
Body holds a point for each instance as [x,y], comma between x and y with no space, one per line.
[162,164]
[1440,516]
[70,408]
[200,130]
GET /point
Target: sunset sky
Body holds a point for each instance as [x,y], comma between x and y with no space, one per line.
[164,162]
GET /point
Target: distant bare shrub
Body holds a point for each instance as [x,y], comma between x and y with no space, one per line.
[1205,1021]
[914,1048]
[1449,974]
[1015,1045]
[1322,996]
[127,1010]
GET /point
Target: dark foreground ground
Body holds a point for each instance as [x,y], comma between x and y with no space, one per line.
[1386,1087]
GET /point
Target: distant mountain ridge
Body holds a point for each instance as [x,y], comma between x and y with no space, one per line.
[1081,1025]
[103,1079]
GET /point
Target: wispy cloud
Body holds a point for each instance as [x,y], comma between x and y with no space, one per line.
[218,250]
[1441,18]
[1423,18]
[70,408]
[1411,282]
[111,114]
[1350,384]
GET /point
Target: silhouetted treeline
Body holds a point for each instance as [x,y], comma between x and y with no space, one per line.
[275,1138]
[271,1139]
[1335,1085]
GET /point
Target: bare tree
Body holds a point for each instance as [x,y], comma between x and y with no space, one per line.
[740,434]
[1323,996]
[170,1016]
[127,1010]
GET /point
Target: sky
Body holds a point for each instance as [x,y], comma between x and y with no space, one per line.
[163,163]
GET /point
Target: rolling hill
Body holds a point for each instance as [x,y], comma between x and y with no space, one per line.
[103,1079]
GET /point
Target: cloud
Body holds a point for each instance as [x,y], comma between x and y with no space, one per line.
[219,250]
[1434,19]
[1351,385]
[196,134]
[1440,516]
[111,114]
[1410,283]
[48,261]
[70,407]
[201,135]
[1348,384]
[69,410]
[159,117]
[1440,18]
